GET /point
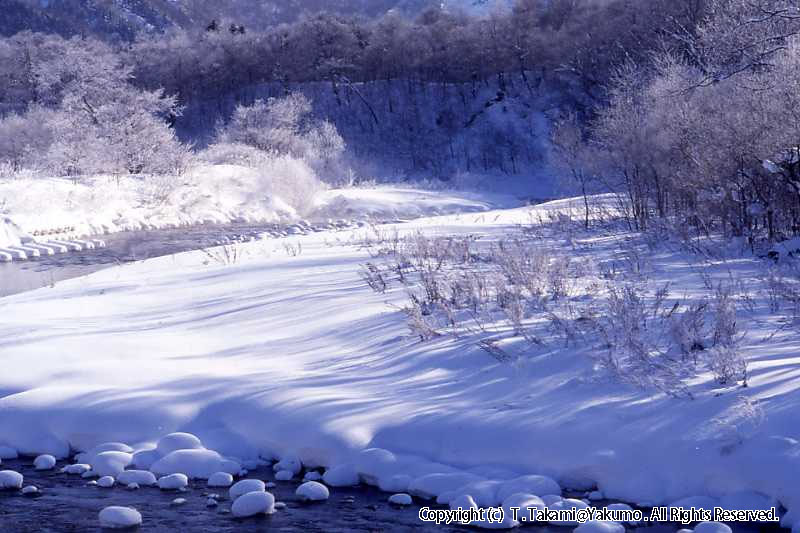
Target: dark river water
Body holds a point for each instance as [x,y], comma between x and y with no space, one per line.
[68,504]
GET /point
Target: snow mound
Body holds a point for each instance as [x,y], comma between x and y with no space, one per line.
[116,517]
[30,490]
[483,492]
[712,527]
[312,475]
[523,502]
[253,503]
[244,486]
[284,475]
[220,479]
[431,485]
[44,462]
[195,463]
[110,463]
[144,459]
[10,479]
[106,482]
[291,463]
[312,491]
[373,464]
[77,469]
[533,484]
[400,499]
[343,475]
[173,482]
[91,455]
[142,478]
[565,504]
[395,483]
[596,526]
[178,441]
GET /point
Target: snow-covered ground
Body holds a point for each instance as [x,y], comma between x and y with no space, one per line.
[292,356]
[210,193]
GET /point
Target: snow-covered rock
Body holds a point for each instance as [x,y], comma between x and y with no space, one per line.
[30,490]
[143,478]
[220,479]
[532,484]
[110,463]
[289,462]
[178,501]
[567,503]
[596,526]
[312,475]
[178,441]
[523,501]
[400,498]
[76,469]
[173,482]
[244,486]
[211,502]
[195,463]
[253,503]
[374,464]
[89,455]
[464,501]
[116,517]
[10,480]
[551,499]
[343,475]
[44,462]
[712,527]
[284,475]
[483,492]
[106,482]
[132,486]
[144,459]
[312,491]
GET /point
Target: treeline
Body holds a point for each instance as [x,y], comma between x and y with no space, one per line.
[708,139]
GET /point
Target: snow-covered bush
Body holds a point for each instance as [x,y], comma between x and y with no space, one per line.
[284,127]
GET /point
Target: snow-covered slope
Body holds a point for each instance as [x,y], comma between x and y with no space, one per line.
[286,353]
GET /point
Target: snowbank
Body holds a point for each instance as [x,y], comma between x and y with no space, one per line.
[292,356]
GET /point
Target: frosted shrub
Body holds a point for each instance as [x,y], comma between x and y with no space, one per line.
[284,127]
[727,364]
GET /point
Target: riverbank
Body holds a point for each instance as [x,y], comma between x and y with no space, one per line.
[286,351]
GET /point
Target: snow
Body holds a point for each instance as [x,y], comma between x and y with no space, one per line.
[253,503]
[523,502]
[177,441]
[596,526]
[280,355]
[401,498]
[343,475]
[244,486]
[312,475]
[173,482]
[91,455]
[44,462]
[312,491]
[533,484]
[110,463]
[712,527]
[30,490]
[284,475]
[10,233]
[567,503]
[77,469]
[195,463]
[220,479]
[142,478]
[106,482]
[10,479]
[291,463]
[116,517]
